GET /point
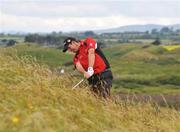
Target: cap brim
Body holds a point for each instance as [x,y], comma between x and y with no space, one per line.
[65,48]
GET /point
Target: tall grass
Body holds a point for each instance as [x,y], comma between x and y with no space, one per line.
[52,57]
[136,68]
[33,98]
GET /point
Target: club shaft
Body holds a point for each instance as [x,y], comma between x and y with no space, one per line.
[78,84]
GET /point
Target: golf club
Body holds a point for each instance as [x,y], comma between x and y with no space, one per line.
[78,84]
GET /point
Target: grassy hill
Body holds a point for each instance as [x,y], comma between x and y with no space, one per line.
[50,56]
[145,68]
[33,98]
[136,68]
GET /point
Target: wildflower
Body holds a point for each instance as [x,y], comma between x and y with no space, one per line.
[15,120]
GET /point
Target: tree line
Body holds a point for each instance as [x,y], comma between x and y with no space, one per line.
[57,39]
[45,39]
[163,33]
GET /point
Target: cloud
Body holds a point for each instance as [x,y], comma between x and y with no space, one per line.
[34,24]
[69,15]
[54,9]
[79,8]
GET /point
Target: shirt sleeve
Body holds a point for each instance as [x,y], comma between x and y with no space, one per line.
[91,43]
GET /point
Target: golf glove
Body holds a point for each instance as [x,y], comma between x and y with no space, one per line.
[90,71]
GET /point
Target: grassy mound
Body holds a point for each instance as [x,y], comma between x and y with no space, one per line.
[32,98]
[136,68]
[50,56]
[144,68]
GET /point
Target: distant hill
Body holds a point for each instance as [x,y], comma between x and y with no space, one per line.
[128,28]
[139,28]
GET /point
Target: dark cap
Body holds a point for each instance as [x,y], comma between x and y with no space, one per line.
[68,41]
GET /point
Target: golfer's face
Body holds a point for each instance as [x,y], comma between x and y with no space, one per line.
[72,47]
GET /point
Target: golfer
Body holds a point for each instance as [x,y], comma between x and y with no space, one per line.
[91,62]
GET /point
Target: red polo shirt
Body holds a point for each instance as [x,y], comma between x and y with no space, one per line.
[82,56]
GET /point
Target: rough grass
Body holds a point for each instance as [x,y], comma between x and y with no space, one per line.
[136,68]
[33,98]
[50,56]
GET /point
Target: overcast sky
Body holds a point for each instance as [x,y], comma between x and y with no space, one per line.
[70,15]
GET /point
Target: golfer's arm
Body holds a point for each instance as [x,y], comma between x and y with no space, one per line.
[91,57]
[79,67]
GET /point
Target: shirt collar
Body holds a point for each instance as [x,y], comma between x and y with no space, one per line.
[82,42]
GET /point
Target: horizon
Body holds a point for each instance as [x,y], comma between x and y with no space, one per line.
[76,15]
[26,32]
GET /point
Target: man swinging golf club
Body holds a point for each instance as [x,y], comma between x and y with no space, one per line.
[90,61]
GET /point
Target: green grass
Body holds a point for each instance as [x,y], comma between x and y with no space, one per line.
[18,39]
[35,99]
[136,69]
[50,56]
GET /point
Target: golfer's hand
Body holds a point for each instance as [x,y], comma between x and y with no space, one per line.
[87,75]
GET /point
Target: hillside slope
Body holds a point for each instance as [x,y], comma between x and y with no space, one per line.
[33,98]
[145,68]
[137,68]
[137,28]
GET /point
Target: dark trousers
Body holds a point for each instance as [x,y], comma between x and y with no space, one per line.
[101,83]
